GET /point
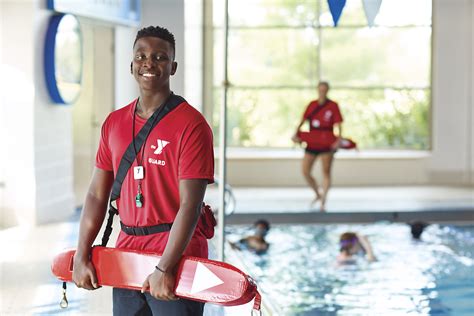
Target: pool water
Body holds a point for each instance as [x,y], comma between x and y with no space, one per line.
[299,274]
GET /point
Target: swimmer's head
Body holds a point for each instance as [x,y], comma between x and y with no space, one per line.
[417,228]
[261,227]
[323,88]
[349,243]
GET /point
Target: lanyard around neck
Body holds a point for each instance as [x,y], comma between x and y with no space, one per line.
[140,163]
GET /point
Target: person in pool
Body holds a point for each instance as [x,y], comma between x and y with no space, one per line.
[352,244]
[417,228]
[256,242]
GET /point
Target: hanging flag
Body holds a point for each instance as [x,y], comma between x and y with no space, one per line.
[336,7]
[371,8]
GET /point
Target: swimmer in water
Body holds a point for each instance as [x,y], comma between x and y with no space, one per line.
[352,244]
[256,242]
[417,228]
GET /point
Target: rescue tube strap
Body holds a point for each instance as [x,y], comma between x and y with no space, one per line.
[317,109]
[145,230]
[129,157]
[257,302]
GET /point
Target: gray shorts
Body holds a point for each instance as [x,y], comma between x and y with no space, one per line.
[131,302]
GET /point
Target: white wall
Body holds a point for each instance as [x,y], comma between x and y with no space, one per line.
[126,88]
[453,59]
[53,161]
[350,169]
[194,53]
[17,93]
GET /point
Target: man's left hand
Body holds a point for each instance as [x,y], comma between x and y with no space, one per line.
[160,285]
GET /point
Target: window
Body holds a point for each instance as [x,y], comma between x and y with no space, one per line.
[280,49]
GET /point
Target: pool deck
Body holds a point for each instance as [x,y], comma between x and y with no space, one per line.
[352,205]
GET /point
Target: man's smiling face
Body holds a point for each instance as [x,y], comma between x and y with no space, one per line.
[153,63]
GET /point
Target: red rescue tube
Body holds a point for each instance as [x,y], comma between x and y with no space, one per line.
[315,140]
[196,278]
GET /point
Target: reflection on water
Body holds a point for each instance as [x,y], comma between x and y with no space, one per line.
[434,276]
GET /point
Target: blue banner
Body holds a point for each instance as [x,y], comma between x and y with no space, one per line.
[371,8]
[336,7]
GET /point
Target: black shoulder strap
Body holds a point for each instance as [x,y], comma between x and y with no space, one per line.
[129,157]
[317,109]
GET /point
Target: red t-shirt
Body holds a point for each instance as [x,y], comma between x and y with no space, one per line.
[321,121]
[179,147]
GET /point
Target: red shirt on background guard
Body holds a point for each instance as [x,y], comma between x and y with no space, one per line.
[322,120]
[179,147]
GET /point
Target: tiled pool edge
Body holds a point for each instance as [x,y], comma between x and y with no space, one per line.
[269,308]
[435,216]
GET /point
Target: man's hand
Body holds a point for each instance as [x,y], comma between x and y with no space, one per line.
[296,139]
[161,285]
[92,216]
[83,274]
[371,258]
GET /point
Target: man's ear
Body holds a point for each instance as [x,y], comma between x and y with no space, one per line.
[131,67]
[174,67]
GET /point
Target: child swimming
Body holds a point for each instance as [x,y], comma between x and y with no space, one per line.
[255,243]
[352,244]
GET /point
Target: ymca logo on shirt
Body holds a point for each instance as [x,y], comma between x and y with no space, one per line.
[327,115]
[161,144]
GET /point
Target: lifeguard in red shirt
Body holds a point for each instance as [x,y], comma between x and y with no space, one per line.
[165,184]
[324,117]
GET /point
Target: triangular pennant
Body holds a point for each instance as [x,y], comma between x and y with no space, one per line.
[204,279]
[336,7]
[371,8]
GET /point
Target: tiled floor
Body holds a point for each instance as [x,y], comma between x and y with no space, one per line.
[28,288]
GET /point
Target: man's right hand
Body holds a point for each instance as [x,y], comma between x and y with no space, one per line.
[83,274]
[296,138]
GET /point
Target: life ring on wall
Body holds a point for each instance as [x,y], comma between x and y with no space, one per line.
[63,58]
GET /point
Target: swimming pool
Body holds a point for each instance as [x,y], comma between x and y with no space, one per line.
[431,277]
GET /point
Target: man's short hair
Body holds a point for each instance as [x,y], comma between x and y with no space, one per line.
[263,222]
[324,83]
[156,31]
[417,228]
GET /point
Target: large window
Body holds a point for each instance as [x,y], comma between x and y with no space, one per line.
[280,49]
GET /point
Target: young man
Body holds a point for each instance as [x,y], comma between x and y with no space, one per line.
[177,162]
[323,116]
